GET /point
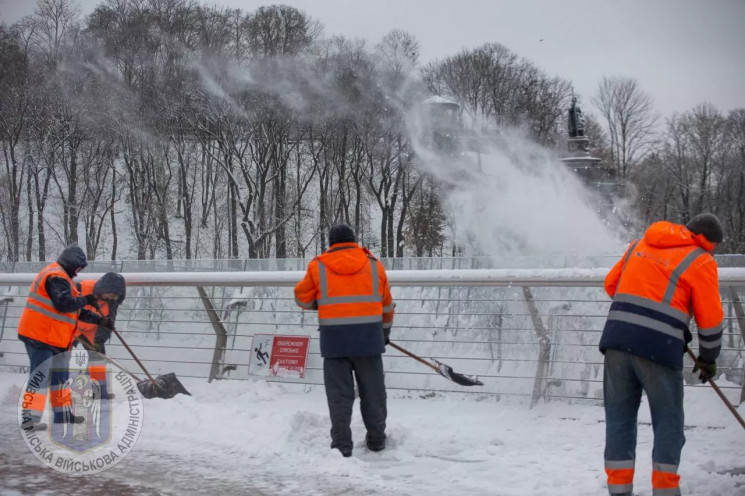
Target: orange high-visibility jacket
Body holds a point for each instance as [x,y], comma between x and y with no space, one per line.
[96,367]
[86,328]
[663,280]
[349,287]
[40,320]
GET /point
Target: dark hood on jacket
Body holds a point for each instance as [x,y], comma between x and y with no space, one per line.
[111,282]
[71,259]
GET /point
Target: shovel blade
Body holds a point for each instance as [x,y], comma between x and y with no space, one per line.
[464,380]
[165,386]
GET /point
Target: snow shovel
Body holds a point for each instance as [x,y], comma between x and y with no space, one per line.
[444,370]
[719,392]
[165,386]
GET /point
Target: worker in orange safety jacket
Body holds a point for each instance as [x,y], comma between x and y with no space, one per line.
[349,288]
[46,328]
[109,292]
[663,279]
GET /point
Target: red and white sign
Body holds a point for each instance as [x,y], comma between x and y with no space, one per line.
[274,355]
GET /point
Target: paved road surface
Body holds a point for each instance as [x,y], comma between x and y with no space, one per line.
[143,472]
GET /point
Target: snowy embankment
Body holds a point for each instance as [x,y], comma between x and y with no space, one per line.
[252,437]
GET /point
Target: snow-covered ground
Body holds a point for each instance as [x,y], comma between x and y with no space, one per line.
[252,437]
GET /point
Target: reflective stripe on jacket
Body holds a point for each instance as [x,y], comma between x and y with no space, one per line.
[40,321]
[349,288]
[663,280]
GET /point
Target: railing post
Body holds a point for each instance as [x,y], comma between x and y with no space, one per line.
[737,304]
[221,336]
[4,302]
[544,343]
[5,306]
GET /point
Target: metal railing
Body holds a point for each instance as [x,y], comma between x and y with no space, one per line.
[529,333]
[407,263]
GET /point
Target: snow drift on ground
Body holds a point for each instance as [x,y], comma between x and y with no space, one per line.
[252,437]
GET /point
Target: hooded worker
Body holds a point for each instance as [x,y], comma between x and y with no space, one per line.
[663,280]
[109,292]
[46,328]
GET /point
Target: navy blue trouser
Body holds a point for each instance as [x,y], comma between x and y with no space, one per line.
[338,378]
[54,366]
[625,377]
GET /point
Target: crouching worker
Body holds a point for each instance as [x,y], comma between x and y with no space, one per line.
[46,328]
[95,327]
[349,288]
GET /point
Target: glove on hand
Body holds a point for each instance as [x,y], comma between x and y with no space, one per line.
[707,369]
[387,336]
[90,300]
[102,334]
[106,322]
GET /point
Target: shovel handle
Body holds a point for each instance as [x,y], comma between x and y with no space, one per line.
[133,355]
[719,392]
[87,345]
[420,359]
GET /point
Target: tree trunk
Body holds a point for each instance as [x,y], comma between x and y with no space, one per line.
[41,203]
[14,174]
[115,238]
[280,200]
[233,214]
[72,191]
[384,231]
[30,206]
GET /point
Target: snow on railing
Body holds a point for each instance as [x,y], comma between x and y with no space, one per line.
[427,278]
[529,333]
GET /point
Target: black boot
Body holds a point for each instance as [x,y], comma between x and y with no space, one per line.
[33,425]
[105,394]
[375,443]
[68,419]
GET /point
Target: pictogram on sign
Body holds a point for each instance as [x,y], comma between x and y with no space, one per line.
[274,355]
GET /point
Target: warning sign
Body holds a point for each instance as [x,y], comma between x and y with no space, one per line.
[261,351]
[274,355]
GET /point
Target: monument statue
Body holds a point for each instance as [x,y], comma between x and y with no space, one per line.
[576,120]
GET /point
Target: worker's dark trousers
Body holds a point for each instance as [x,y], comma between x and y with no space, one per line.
[339,382]
[625,377]
[50,364]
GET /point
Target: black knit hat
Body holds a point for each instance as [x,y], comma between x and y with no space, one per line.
[71,259]
[708,225]
[341,233]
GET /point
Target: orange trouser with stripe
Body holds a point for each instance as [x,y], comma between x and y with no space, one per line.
[59,390]
[97,367]
[47,375]
[665,480]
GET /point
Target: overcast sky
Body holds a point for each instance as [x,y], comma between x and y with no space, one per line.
[683,52]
